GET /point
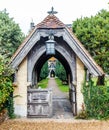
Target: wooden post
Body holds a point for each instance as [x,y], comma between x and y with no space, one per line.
[101,80]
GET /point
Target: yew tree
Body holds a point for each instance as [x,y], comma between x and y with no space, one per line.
[60,71]
[93,32]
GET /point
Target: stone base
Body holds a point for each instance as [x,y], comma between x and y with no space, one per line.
[20,110]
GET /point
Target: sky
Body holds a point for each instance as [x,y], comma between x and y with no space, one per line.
[26,11]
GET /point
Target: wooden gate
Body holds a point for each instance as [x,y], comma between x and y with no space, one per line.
[39,103]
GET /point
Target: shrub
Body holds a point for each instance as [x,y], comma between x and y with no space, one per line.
[6,87]
[96,99]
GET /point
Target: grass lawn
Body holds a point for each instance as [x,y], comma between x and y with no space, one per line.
[63,88]
[43,83]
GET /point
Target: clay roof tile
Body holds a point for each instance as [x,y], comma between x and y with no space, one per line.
[51,21]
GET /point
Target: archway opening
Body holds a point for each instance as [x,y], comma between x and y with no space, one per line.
[61,103]
[65,55]
[52,74]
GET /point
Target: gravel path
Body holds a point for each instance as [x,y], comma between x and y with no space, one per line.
[61,105]
[56,92]
[54,124]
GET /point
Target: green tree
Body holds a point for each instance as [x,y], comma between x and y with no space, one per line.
[10,38]
[60,71]
[44,71]
[10,34]
[93,32]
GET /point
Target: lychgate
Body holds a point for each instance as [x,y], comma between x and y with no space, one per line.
[31,55]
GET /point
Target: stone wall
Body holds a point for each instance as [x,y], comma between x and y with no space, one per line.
[80,79]
[20,102]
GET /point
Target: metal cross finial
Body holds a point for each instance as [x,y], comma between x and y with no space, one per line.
[52,11]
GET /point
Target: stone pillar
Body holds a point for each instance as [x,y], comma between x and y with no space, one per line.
[80,80]
[20,102]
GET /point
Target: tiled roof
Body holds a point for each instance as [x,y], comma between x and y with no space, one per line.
[51,21]
[52,59]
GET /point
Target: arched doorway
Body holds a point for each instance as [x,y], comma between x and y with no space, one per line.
[64,54]
[52,74]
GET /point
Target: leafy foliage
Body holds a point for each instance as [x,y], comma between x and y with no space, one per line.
[60,71]
[96,99]
[10,38]
[6,87]
[93,33]
[44,71]
[10,106]
[10,34]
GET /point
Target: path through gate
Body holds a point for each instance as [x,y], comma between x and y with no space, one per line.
[39,103]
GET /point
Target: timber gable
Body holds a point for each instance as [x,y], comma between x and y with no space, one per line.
[51,22]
